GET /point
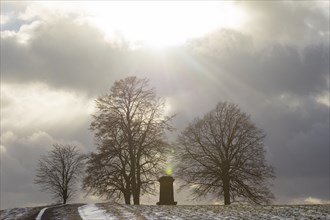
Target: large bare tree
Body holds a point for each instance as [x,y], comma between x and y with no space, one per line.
[222,154]
[59,171]
[129,130]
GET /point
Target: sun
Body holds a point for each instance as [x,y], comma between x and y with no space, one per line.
[160,24]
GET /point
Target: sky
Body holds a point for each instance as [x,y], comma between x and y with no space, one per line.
[269,57]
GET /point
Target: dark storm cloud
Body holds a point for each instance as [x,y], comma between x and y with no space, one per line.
[63,54]
[297,139]
[273,70]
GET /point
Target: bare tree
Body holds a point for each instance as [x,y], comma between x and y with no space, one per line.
[223,154]
[59,171]
[129,129]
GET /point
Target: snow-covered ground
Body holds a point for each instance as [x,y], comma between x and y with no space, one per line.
[214,212]
[91,211]
[235,212]
[114,211]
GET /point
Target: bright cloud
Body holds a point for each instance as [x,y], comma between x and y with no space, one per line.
[311,200]
[4,19]
[155,24]
[38,106]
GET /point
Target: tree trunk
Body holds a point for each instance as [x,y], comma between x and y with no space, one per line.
[65,196]
[64,199]
[127,197]
[226,190]
[138,183]
[132,152]
[134,184]
[127,191]
[136,195]
[136,199]
[226,183]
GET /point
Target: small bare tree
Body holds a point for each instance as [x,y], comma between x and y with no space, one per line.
[223,154]
[59,171]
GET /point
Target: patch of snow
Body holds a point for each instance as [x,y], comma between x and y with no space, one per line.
[92,212]
[13,213]
[125,213]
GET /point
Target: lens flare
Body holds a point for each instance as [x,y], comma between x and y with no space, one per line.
[168,171]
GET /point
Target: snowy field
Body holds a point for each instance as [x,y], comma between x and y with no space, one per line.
[114,211]
[17,212]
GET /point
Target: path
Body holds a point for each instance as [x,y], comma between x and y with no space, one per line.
[109,211]
[63,212]
[41,213]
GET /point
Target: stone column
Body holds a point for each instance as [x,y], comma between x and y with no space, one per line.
[166,196]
